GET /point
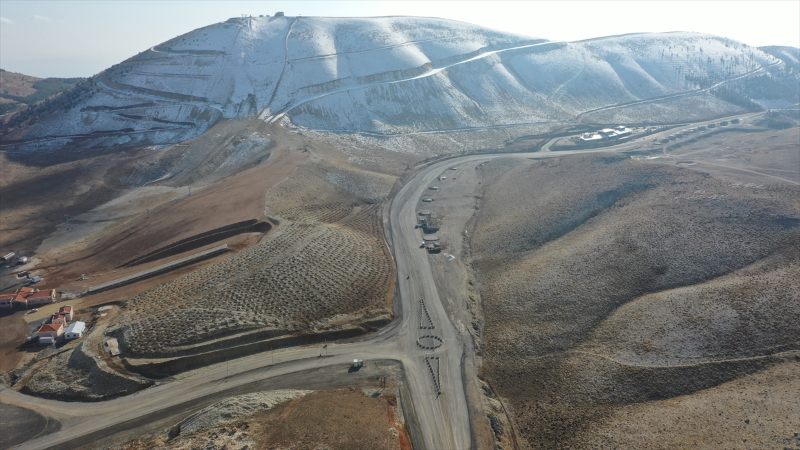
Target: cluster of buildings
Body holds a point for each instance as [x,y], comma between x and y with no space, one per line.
[60,324]
[26,297]
[606,134]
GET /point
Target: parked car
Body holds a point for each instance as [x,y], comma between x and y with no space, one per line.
[34,310]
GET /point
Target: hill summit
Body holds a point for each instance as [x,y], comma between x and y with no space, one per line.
[385,75]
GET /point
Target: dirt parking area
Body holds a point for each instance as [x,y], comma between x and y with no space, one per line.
[13,330]
[330,419]
[745,155]
[21,425]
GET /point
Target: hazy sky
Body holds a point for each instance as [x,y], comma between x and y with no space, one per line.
[81,38]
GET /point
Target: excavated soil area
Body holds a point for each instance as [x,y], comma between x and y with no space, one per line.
[171,224]
[202,239]
[760,156]
[609,284]
[335,419]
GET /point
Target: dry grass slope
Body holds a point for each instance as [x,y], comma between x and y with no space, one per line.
[608,282]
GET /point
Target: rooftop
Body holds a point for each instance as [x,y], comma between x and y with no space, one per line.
[76,327]
[46,293]
[48,327]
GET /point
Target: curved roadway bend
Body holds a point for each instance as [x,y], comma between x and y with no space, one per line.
[442,416]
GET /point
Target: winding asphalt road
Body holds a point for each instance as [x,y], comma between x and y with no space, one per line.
[432,366]
[440,405]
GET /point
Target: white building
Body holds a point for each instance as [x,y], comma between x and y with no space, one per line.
[75,330]
[606,133]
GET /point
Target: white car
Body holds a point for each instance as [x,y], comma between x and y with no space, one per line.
[34,310]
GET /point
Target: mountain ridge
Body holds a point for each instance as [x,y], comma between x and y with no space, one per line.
[379,75]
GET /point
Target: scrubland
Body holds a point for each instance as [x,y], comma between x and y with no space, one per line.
[610,283]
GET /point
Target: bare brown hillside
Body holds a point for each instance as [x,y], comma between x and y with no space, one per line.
[608,282]
[18,91]
[17,84]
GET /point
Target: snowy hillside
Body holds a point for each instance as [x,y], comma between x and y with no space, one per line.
[384,75]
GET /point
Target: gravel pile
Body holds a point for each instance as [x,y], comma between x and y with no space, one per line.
[77,375]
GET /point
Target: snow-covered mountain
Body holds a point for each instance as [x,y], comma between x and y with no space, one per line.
[379,75]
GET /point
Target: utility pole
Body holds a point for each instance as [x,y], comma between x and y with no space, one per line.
[148,213]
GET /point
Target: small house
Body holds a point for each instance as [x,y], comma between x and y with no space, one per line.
[68,312]
[75,330]
[279,14]
[50,332]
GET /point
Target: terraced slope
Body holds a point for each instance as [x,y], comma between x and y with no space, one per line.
[324,268]
[384,75]
[608,282]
